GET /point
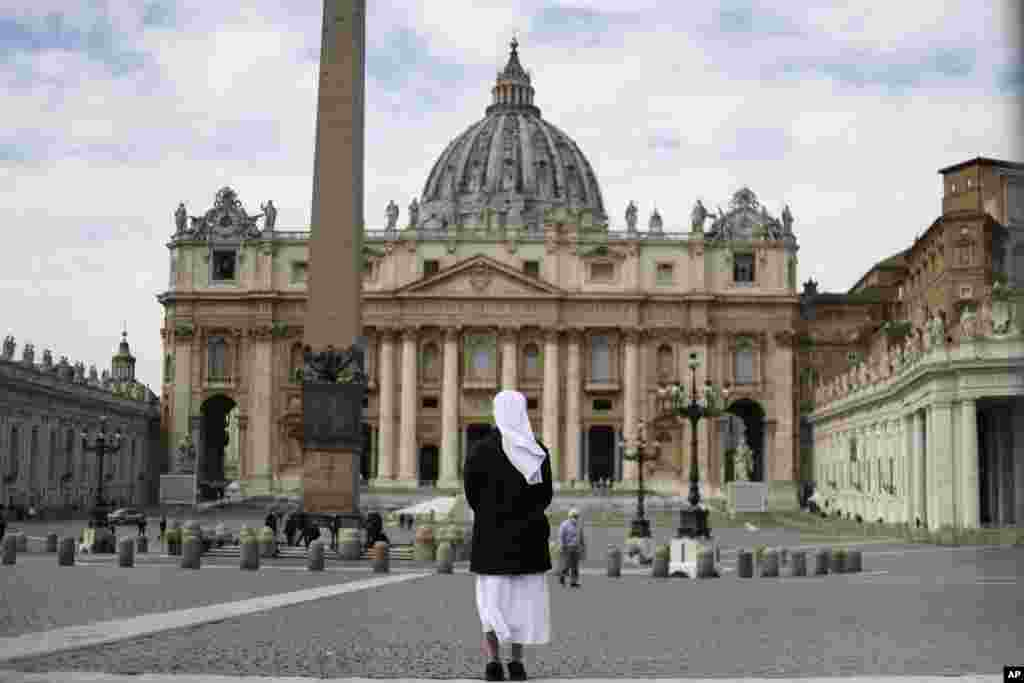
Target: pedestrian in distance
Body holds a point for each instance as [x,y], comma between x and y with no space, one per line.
[163,527]
[507,480]
[570,537]
[142,527]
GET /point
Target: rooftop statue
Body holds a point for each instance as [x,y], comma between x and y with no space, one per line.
[180,216]
[9,347]
[698,216]
[655,222]
[414,213]
[28,354]
[392,215]
[787,220]
[269,215]
[631,212]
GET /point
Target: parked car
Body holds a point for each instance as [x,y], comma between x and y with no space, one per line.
[126,516]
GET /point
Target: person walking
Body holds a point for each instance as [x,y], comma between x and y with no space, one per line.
[163,527]
[507,481]
[570,536]
[142,526]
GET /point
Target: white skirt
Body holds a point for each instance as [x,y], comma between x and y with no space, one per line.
[516,607]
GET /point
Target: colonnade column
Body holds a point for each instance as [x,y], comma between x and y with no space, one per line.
[629,408]
[572,407]
[407,447]
[943,465]
[550,400]
[386,460]
[970,501]
[920,477]
[449,475]
[509,357]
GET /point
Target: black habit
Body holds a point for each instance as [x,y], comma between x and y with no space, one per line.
[510,528]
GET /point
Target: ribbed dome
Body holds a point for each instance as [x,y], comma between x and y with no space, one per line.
[512,160]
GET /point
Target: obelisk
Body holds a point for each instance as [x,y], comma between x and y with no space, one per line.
[334,387]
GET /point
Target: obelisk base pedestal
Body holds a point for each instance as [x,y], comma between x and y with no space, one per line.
[329,488]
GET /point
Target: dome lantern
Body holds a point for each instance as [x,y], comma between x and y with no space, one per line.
[512,90]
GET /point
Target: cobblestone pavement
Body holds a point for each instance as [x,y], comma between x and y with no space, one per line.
[39,595]
[960,616]
[83,677]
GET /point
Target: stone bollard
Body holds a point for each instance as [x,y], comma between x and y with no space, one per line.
[249,553]
[141,544]
[614,561]
[51,543]
[706,564]
[315,556]
[745,564]
[191,551]
[268,548]
[126,553]
[783,557]
[350,545]
[770,564]
[659,568]
[380,557]
[798,563]
[66,552]
[837,561]
[424,547]
[853,562]
[445,557]
[822,560]
[10,550]
[172,539]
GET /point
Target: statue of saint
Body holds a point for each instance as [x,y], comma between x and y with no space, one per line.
[414,213]
[392,215]
[698,216]
[787,220]
[79,371]
[47,359]
[186,461]
[631,212]
[655,222]
[9,347]
[743,461]
[269,215]
[93,377]
[180,216]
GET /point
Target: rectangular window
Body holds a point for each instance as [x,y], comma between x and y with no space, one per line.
[299,271]
[430,402]
[531,404]
[224,263]
[744,370]
[602,405]
[218,359]
[664,274]
[743,268]
[531,268]
[602,272]
[430,267]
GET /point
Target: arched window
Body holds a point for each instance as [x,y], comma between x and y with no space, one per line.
[666,363]
[480,352]
[430,363]
[531,364]
[600,358]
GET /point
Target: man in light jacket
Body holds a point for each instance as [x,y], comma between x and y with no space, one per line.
[570,537]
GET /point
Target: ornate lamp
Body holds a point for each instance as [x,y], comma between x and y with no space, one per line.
[693,522]
[102,444]
[640,450]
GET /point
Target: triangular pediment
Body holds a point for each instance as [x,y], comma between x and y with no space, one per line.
[479,276]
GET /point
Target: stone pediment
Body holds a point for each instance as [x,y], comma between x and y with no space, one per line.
[480,276]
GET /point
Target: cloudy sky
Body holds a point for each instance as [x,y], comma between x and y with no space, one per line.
[115,110]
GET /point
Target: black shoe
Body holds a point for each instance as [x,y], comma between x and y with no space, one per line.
[574,585]
[494,672]
[516,671]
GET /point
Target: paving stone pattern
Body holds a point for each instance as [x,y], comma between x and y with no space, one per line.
[38,595]
[634,626]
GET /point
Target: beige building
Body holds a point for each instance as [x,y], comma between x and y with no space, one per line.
[504,274]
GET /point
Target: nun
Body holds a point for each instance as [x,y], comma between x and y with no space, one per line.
[508,486]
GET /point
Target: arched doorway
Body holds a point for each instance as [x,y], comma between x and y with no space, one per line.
[601,453]
[210,469]
[429,461]
[750,416]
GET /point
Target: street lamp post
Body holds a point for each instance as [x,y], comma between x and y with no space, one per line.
[693,522]
[103,444]
[640,450]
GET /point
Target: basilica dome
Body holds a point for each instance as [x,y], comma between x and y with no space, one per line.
[510,161]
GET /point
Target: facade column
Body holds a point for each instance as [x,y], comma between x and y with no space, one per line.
[387,463]
[509,360]
[920,477]
[450,412]
[407,433]
[181,350]
[942,464]
[572,407]
[970,500]
[629,408]
[260,456]
[550,399]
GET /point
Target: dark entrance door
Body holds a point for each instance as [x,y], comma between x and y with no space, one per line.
[428,465]
[210,468]
[601,453]
[366,456]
